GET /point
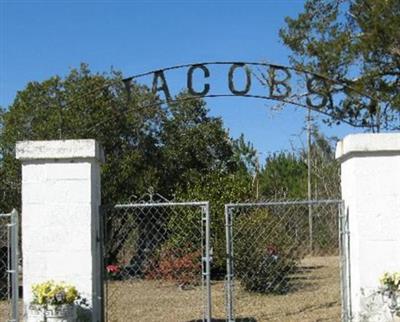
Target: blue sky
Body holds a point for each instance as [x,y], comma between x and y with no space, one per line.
[39,39]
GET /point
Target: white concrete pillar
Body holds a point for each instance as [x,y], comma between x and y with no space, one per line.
[370,180]
[60,216]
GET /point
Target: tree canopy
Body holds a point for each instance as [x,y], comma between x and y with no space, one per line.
[178,150]
[284,175]
[147,144]
[357,43]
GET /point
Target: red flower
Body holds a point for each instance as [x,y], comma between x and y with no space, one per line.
[271,250]
[112,268]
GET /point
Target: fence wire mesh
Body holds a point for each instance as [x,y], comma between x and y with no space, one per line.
[9,267]
[283,261]
[157,262]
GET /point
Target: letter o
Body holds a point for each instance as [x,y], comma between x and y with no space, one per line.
[231,82]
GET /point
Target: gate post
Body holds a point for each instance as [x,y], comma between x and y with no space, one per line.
[60,217]
[370,181]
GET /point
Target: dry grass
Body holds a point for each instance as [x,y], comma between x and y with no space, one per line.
[317,299]
[151,301]
[4,310]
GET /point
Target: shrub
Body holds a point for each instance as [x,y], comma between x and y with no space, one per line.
[219,189]
[268,273]
[264,256]
[181,266]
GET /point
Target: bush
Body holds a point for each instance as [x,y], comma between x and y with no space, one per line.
[268,273]
[178,266]
[218,189]
[264,256]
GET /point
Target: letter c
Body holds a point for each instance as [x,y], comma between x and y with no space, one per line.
[206,87]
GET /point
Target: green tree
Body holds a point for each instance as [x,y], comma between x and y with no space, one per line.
[85,105]
[284,176]
[7,186]
[193,144]
[146,144]
[219,188]
[325,169]
[245,156]
[356,42]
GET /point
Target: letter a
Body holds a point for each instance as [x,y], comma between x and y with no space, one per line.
[159,75]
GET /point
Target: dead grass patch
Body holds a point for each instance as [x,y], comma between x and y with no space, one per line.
[4,310]
[316,299]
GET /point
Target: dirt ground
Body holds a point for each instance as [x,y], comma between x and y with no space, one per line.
[317,299]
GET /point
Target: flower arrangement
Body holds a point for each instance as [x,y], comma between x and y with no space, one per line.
[54,293]
[54,301]
[390,289]
[390,281]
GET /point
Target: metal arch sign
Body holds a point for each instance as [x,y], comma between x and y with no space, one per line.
[285,84]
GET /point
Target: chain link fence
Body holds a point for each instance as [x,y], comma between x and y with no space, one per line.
[157,261]
[284,261]
[9,267]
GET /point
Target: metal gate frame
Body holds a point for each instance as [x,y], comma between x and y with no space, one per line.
[12,262]
[344,252]
[344,244]
[205,245]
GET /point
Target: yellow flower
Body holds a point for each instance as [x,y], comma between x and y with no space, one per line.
[391,281]
[384,279]
[71,294]
[51,292]
[396,278]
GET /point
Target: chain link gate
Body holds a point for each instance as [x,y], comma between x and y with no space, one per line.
[279,269]
[9,267]
[157,261]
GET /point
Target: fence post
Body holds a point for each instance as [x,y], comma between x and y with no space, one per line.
[229,264]
[344,263]
[60,217]
[206,220]
[14,265]
[370,180]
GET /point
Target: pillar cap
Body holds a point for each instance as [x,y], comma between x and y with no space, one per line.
[59,149]
[364,144]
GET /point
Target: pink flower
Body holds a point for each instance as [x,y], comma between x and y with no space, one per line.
[271,250]
[112,268]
